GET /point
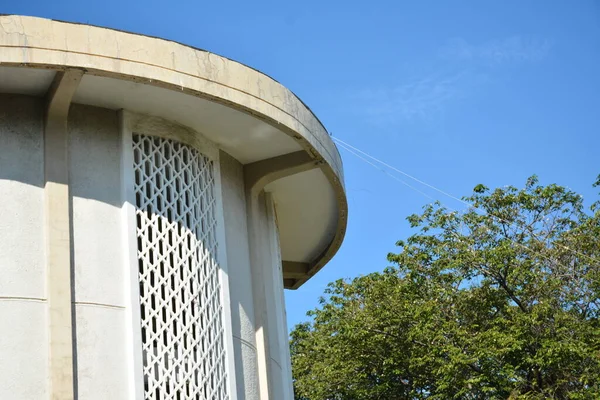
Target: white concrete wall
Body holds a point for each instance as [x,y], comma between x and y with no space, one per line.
[240,277]
[23,333]
[100,295]
[101,291]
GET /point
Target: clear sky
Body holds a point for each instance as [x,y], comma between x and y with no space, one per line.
[455,93]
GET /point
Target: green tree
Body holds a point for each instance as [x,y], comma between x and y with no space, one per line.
[501,301]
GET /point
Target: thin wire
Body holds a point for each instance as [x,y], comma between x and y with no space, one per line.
[353,150]
[386,172]
[399,171]
[426,195]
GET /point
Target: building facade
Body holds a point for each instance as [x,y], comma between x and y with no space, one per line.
[157,199]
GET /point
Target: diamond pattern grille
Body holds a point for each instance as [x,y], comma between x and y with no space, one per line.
[181,312]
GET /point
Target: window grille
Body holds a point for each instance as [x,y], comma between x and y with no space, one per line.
[180,293]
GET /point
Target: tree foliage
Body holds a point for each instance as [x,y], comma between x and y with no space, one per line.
[501,301]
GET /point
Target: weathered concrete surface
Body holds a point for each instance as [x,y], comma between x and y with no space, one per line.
[23,302]
[57,216]
[42,43]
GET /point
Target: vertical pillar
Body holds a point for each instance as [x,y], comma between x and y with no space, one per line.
[135,356]
[278,337]
[238,304]
[57,234]
[256,176]
[259,263]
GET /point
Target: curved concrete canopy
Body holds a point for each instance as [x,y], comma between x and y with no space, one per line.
[246,113]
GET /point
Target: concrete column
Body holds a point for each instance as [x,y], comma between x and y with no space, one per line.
[240,277]
[280,362]
[263,260]
[57,234]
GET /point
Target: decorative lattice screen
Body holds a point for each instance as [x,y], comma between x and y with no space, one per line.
[182,330]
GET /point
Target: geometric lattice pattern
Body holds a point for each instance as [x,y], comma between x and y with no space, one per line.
[180,293]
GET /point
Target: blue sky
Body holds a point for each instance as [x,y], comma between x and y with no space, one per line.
[455,93]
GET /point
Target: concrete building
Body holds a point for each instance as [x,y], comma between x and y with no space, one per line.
[156,201]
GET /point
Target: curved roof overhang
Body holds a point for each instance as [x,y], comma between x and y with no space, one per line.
[244,112]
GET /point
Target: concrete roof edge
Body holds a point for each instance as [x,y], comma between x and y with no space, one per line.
[44,43]
[181,44]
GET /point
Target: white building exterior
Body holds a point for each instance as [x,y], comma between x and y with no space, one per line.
[156,200]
